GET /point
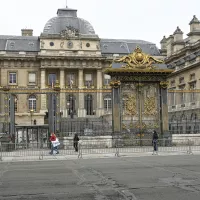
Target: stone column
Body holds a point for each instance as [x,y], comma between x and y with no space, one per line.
[116,111]
[81,110]
[62,94]
[100,110]
[43,108]
[164,109]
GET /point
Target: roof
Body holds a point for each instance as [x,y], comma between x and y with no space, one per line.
[67,18]
[125,46]
[19,43]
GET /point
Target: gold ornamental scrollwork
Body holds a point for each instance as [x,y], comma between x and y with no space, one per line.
[131,105]
[164,84]
[138,59]
[115,84]
[150,106]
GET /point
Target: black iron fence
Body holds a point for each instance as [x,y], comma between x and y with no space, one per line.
[184,127]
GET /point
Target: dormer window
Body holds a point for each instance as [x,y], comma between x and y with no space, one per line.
[173,83]
[192,76]
[181,80]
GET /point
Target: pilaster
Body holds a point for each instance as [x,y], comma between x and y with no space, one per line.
[43,96]
[100,110]
[81,110]
[62,95]
[164,110]
[116,112]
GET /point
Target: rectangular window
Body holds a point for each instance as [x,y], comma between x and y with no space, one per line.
[172,98]
[12,78]
[173,83]
[32,78]
[106,79]
[107,104]
[181,80]
[88,80]
[193,94]
[182,96]
[192,76]
[52,79]
[71,79]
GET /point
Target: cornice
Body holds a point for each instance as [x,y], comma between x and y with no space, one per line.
[182,52]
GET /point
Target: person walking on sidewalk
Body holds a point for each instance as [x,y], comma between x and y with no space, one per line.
[76,139]
[155,142]
[54,144]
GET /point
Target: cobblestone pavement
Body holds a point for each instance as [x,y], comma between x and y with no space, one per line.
[123,178]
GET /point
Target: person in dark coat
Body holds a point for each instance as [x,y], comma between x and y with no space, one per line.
[76,139]
[155,142]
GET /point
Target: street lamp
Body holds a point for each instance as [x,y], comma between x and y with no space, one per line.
[31,114]
[68,104]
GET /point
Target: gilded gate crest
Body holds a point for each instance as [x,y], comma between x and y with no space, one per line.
[138,59]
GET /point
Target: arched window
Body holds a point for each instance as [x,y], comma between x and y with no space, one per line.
[89,104]
[107,103]
[32,102]
[71,104]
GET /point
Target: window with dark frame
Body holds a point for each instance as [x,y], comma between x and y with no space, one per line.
[32,102]
[12,77]
[52,79]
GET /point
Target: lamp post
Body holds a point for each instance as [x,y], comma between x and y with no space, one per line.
[68,104]
[31,114]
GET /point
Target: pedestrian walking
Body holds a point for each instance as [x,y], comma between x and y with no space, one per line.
[54,144]
[76,139]
[155,142]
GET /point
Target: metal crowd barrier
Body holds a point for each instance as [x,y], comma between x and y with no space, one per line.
[115,147]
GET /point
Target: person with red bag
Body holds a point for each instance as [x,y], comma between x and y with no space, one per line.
[54,144]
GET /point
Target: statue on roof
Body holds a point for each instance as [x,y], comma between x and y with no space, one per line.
[138,59]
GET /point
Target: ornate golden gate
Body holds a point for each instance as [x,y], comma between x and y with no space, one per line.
[139,92]
[140,109]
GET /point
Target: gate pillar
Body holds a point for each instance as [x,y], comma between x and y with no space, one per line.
[116,108]
[164,108]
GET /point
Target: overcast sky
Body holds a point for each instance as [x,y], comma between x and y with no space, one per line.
[128,19]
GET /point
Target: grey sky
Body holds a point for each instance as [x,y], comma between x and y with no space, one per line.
[128,19]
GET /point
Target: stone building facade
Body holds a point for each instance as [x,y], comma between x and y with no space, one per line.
[70,53]
[183,55]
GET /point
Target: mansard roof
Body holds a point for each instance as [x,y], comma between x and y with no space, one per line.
[108,46]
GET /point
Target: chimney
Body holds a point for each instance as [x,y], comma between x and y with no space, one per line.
[178,40]
[169,46]
[27,32]
[163,44]
[194,34]
[194,24]
[178,35]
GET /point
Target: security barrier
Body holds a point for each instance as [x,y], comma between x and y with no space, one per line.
[114,148]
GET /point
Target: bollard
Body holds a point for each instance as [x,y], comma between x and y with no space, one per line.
[40,153]
[80,155]
[117,149]
[189,148]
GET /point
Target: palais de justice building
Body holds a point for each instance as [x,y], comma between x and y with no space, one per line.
[183,55]
[70,53]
